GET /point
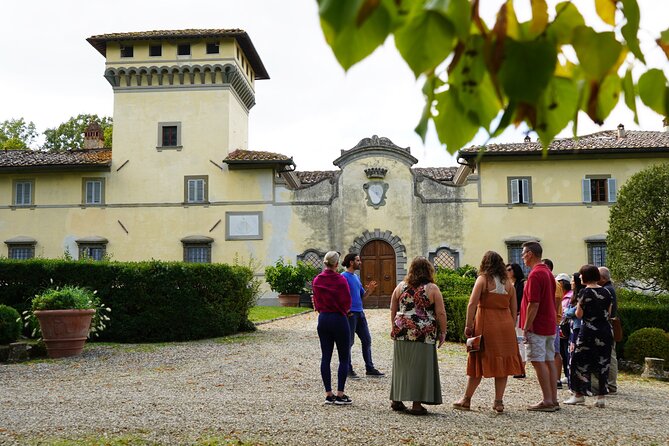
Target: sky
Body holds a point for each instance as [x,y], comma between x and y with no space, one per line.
[309,109]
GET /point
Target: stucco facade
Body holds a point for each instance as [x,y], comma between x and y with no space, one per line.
[180,184]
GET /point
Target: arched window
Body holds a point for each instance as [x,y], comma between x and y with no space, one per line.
[444,257]
[312,257]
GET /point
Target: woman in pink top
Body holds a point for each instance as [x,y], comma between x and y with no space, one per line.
[332,300]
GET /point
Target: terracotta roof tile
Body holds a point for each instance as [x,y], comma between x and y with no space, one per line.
[600,142]
[315,176]
[441,174]
[37,159]
[254,155]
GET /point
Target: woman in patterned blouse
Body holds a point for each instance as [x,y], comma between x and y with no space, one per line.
[418,319]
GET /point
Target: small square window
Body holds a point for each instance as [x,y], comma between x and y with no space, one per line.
[520,190]
[127,51]
[92,252]
[599,189]
[515,255]
[183,49]
[169,136]
[155,50]
[93,191]
[23,193]
[21,252]
[597,253]
[197,253]
[196,189]
[212,48]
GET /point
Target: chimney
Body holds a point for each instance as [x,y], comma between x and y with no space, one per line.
[94,137]
[665,122]
[527,138]
[621,131]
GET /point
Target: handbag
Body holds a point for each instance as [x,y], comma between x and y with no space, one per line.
[474,344]
[565,328]
[617,326]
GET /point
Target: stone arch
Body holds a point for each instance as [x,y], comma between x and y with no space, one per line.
[392,240]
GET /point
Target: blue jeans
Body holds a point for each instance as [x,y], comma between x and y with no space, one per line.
[358,325]
[333,330]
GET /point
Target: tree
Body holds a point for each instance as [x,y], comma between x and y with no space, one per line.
[638,237]
[16,134]
[541,72]
[70,134]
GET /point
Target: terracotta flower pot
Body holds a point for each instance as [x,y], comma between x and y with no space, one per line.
[289,300]
[64,331]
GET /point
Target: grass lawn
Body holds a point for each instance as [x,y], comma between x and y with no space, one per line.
[258,314]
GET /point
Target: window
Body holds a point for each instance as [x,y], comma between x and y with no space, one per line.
[212,48]
[169,135]
[197,248]
[196,189]
[126,51]
[23,192]
[183,49]
[599,189]
[21,248]
[514,247]
[444,258]
[520,191]
[312,257]
[597,253]
[155,50]
[93,191]
[92,248]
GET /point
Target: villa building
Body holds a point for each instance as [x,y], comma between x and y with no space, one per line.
[181,184]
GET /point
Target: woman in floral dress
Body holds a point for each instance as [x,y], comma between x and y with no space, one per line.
[592,353]
[418,319]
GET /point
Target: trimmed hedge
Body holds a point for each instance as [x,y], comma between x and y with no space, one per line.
[10,327]
[150,301]
[647,342]
[456,288]
[637,311]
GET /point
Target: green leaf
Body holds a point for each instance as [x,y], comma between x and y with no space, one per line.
[608,96]
[653,90]
[630,94]
[598,52]
[338,14]
[520,83]
[557,107]
[353,43]
[567,19]
[539,16]
[631,28]
[458,12]
[606,9]
[425,40]
[454,127]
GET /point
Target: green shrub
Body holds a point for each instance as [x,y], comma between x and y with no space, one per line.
[285,278]
[456,286]
[151,301]
[637,310]
[647,342]
[10,324]
[66,298]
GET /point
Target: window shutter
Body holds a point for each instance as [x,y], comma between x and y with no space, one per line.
[526,190]
[587,194]
[191,190]
[515,198]
[613,193]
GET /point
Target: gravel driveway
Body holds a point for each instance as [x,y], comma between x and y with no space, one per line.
[265,387]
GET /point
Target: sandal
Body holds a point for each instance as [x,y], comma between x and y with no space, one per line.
[419,411]
[398,406]
[498,406]
[463,404]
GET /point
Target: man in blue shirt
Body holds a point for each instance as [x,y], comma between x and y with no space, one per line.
[356,317]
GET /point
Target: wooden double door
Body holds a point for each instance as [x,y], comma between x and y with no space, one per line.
[378,263]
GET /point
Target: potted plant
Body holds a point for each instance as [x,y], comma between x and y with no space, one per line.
[65,315]
[290,280]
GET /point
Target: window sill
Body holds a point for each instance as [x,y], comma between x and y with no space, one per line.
[195,203]
[13,207]
[161,148]
[93,205]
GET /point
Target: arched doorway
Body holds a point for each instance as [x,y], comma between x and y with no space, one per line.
[378,263]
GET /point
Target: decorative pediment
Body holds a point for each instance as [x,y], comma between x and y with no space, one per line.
[375,147]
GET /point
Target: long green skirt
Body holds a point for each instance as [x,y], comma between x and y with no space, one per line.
[415,373]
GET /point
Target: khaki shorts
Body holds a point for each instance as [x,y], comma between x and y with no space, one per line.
[540,348]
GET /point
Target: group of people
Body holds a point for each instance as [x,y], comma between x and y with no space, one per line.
[554,323]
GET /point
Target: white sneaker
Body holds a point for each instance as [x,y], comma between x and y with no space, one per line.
[564,380]
[600,403]
[573,400]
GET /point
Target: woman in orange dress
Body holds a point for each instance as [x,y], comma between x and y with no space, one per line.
[492,313]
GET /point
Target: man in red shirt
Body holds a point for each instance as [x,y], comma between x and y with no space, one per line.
[537,318]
